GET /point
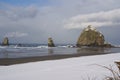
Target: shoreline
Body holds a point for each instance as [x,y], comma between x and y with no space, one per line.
[12,61]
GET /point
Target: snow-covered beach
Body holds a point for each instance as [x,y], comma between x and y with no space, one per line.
[77,68]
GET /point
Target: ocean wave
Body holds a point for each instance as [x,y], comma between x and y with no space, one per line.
[42,47]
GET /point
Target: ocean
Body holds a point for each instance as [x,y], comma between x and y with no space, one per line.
[36,50]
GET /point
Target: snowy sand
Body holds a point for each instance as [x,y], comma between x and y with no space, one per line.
[78,68]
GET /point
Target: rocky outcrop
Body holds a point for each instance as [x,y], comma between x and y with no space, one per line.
[91,37]
[5,41]
[50,42]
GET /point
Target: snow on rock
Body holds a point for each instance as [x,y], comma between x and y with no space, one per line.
[65,69]
[90,27]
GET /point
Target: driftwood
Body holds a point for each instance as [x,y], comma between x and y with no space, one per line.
[118,65]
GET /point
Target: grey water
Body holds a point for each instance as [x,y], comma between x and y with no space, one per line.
[15,51]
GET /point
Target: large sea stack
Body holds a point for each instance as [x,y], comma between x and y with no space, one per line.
[50,42]
[5,41]
[91,37]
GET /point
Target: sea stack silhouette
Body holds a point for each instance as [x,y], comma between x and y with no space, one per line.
[50,42]
[92,38]
[5,41]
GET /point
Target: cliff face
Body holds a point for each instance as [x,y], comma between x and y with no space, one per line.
[50,42]
[5,41]
[90,37]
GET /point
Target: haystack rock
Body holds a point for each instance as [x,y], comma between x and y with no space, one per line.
[5,41]
[91,37]
[50,42]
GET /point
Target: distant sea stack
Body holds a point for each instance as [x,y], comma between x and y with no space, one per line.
[92,38]
[50,42]
[5,41]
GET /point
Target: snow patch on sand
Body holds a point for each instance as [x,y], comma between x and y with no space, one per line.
[65,69]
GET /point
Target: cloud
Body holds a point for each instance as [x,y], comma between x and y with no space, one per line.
[19,12]
[16,34]
[47,20]
[99,19]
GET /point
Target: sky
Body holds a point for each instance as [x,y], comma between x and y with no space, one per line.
[33,21]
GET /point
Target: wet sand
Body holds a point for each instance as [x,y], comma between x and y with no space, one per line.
[11,61]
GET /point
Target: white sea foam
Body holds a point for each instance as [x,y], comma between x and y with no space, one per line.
[42,46]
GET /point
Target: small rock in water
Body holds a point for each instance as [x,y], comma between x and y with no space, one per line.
[50,42]
[5,41]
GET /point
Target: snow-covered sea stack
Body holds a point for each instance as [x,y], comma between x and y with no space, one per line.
[50,42]
[91,37]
